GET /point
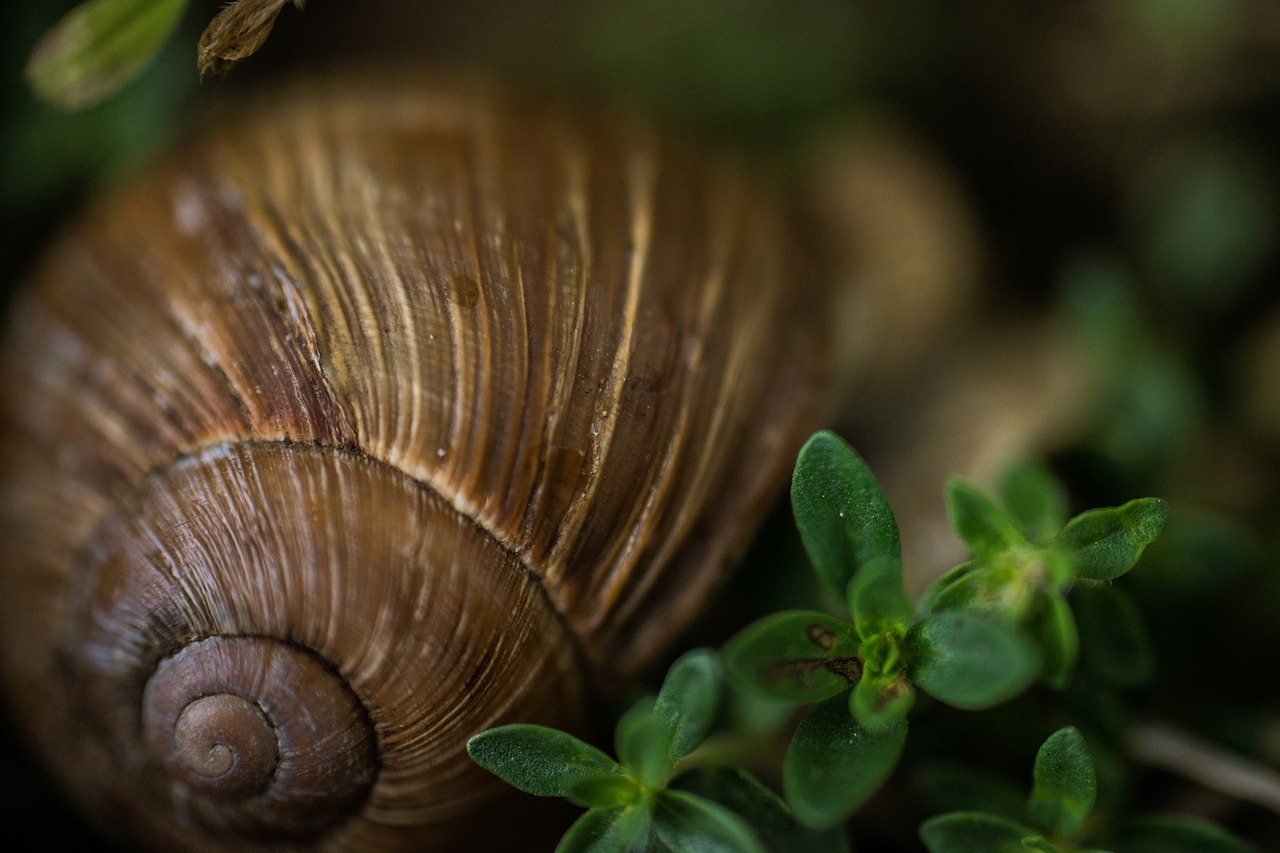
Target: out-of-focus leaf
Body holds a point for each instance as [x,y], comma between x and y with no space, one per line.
[1055,628]
[1114,643]
[1035,499]
[769,817]
[687,702]
[1160,834]
[644,744]
[98,47]
[969,659]
[685,821]
[978,522]
[973,832]
[625,830]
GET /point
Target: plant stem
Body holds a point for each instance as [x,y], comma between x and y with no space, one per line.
[1162,745]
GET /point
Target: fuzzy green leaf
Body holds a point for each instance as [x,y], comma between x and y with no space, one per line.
[1114,643]
[973,832]
[978,522]
[1064,784]
[686,704]
[877,599]
[842,514]
[833,765]
[1035,500]
[1161,834]
[770,819]
[626,830]
[969,659]
[643,744]
[687,822]
[1103,544]
[548,763]
[1055,628]
[800,655]
[99,46]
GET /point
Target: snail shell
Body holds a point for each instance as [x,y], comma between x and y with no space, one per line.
[372,418]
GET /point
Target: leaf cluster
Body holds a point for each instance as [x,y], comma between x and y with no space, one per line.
[980,635]
[631,802]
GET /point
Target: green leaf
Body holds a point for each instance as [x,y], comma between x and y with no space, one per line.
[687,702]
[1035,500]
[99,46]
[548,763]
[644,744]
[880,705]
[627,830]
[978,522]
[1160,834]
[842,514]
[969,659]
[1064,784]
[691,824]
[1103,544]
[1055,628]
[973,832]
[877,599]
[1036,842]
[833,765]
[801,655]
[1114,643]
[770,819]
[954,590]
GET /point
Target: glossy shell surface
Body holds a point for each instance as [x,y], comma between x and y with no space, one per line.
[437,407]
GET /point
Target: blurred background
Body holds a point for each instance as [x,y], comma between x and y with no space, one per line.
[1057,226]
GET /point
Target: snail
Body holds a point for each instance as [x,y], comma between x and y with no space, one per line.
[376,415]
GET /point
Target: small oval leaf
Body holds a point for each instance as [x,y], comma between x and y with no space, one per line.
[99,46]
[833,765]
[539,760]
[626,830]
[842,514]
[1103,544]
[969,659]
[977,520]
[687,822]
[973,832]
[1065,785]
[687,702]
[1035,500]
[800,655]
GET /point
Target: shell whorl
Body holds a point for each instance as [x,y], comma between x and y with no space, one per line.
[440,409]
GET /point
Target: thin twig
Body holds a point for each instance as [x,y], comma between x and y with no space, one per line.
[1164,746]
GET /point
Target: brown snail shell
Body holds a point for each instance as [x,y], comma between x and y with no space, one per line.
[374,418]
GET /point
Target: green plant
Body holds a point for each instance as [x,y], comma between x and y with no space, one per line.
[631,803]
[979,635]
